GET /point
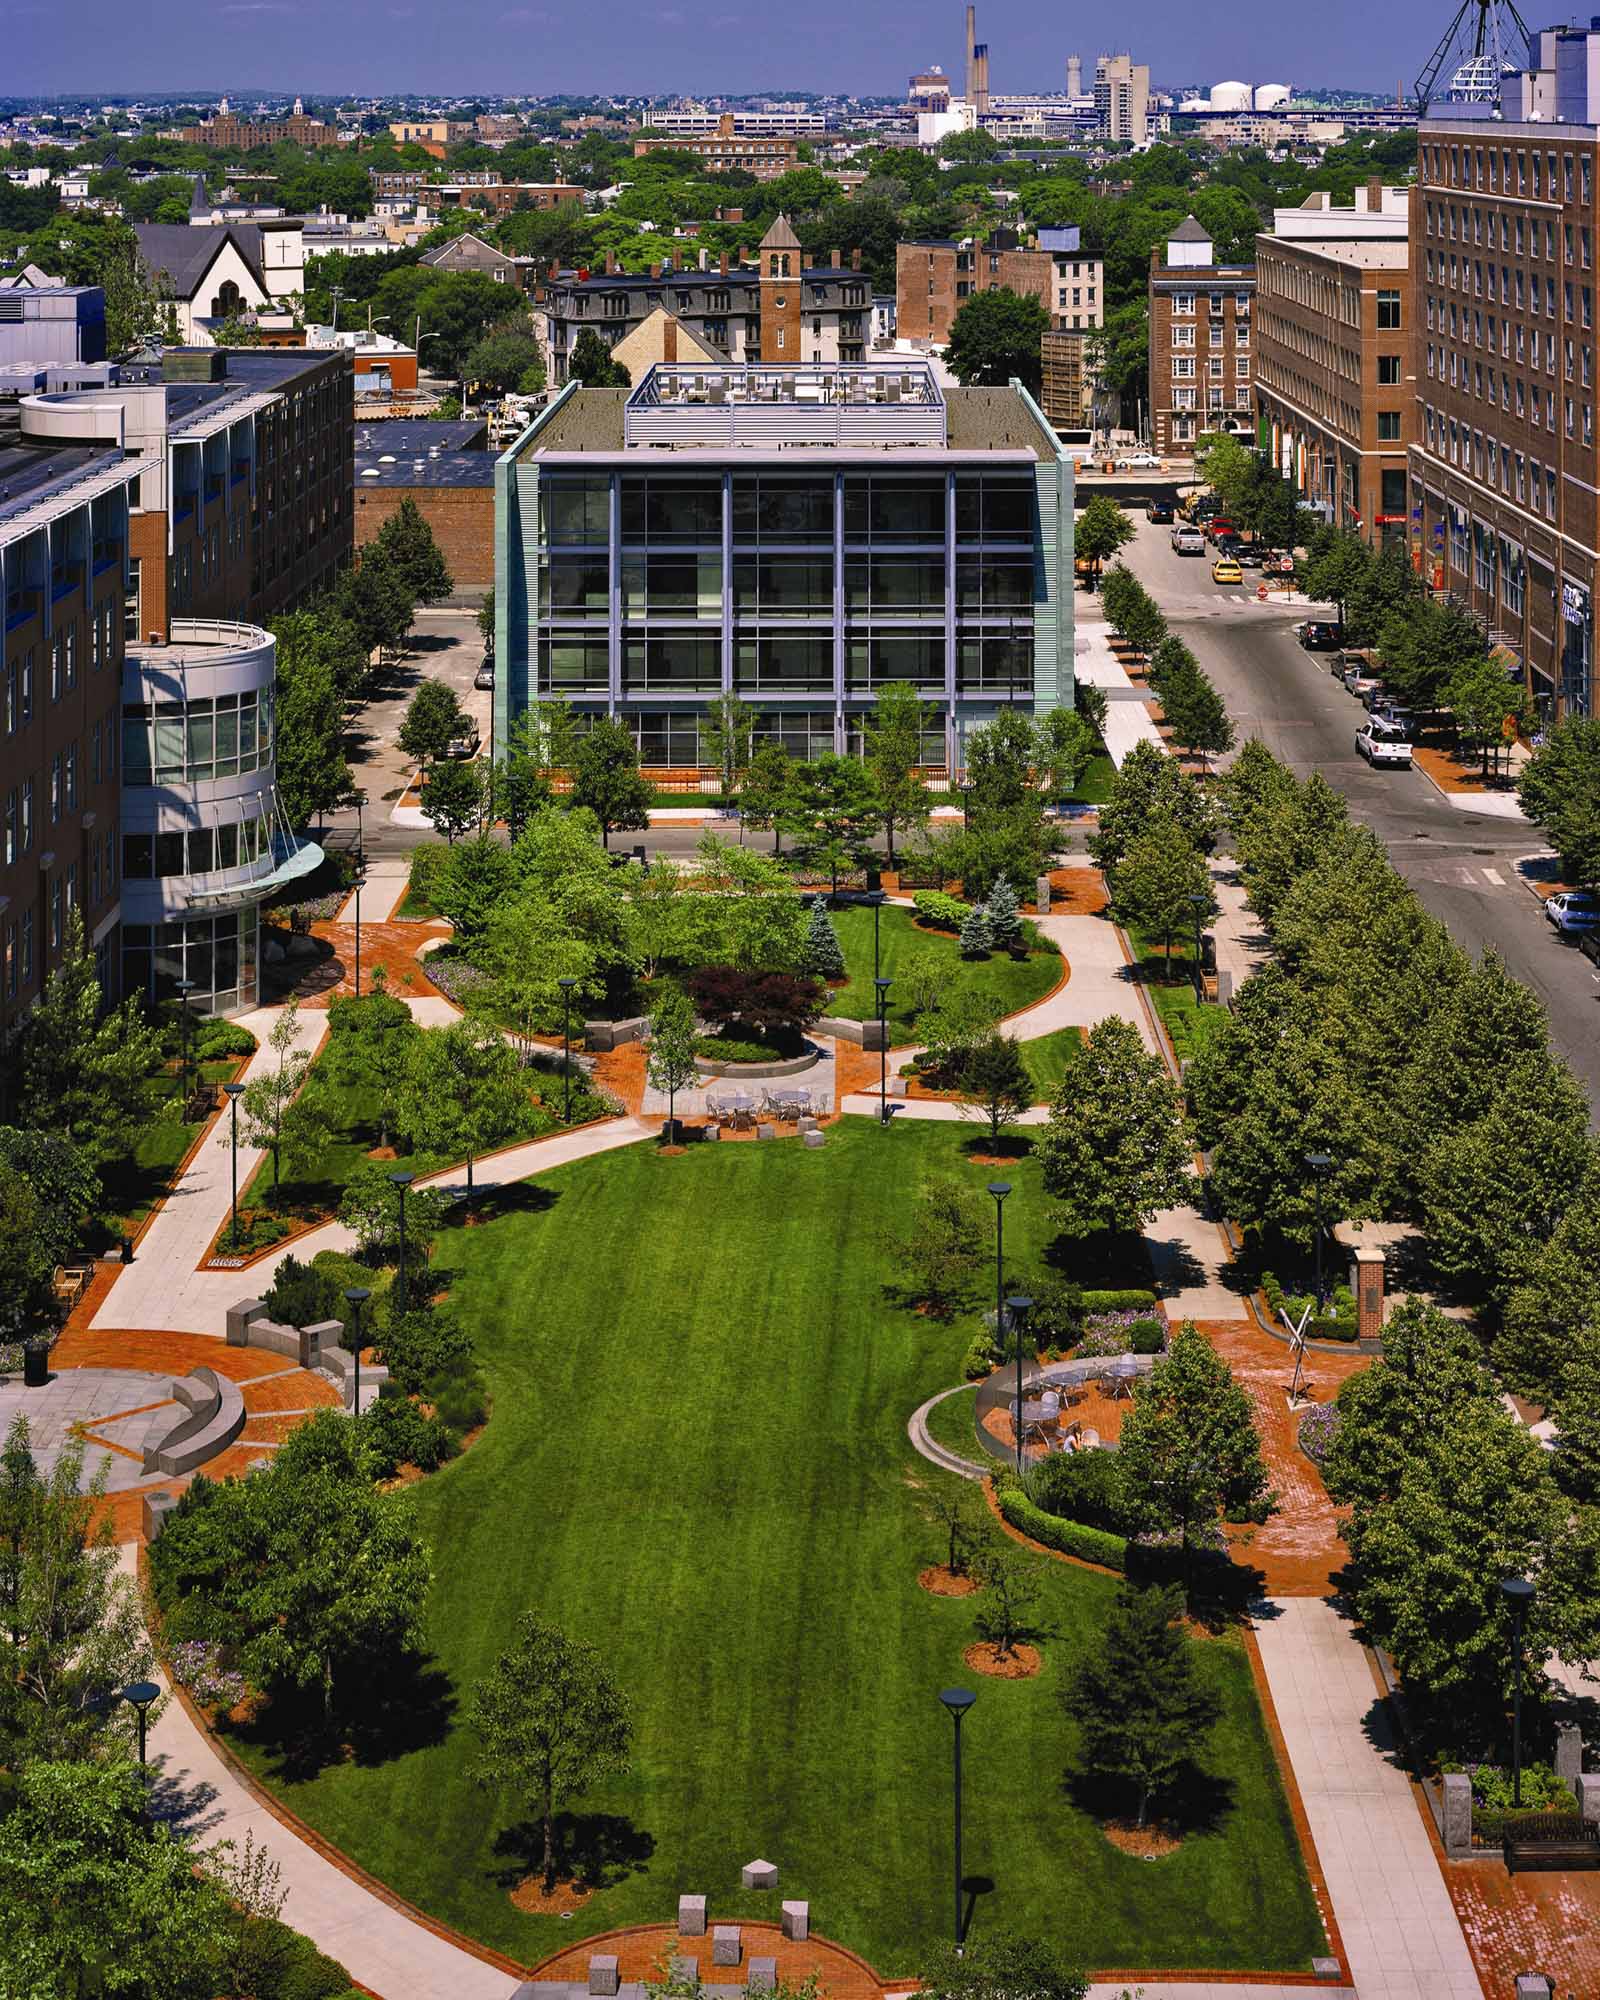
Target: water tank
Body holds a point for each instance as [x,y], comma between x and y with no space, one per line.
[1272,96]
[1230,97]
[1195,104]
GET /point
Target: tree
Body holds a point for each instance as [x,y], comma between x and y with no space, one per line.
[475,880]
[84,1070]
[308,744]
[830,811]
[976,937]
[1010,1579]
[407,542]
[1198,718]
[1560,792]
[994,1966]
[1100,530]
[1149,786]
[72,1630]
[764,802]
[433,715]
[1190,1454]
[1427,644]
[892,736]
[305,1569]
[591,364]
[1339,563]
[726,733]
[551,1723]
[1115,1150]
[767,1003]
[1141,1710]
[27,1300]
[1486,705]
[517,790]
[370,1209]
[374,600]
[996,336]
[1004,917]
[996,1081]
[453,798]
[945,1244]
[463,1093]
[824,955]
[1066,743]
[507,359]
[1000,758]
[671,1066]
[485,620]
[369,1044]
[546,733]
[606,777]
[952,1509]
[1157,883]
[269,1098]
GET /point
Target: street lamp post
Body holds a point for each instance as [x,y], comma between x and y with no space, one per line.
[1019,1306]
[235,1092]
[360,874]
[877,900]
[566,986]
[140,1696]
[883,1050]
[1319,1163]
[958,1701]
[185,988]
[402,1182]
[1518,1594]
[1199,904]
[999,1189]
[356,1297]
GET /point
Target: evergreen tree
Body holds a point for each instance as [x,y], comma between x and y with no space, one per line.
[1141,1711]
[976,937]
[824,955]
[1004,915]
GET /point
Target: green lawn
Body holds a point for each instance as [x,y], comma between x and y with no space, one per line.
[1014,982]
[1190,1023]
[952,1424]
[697,1460]
[1047,1059]
[133,1186]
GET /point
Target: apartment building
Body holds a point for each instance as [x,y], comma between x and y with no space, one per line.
[63,561]
[797,536]
[502,197]
[249,135]
[933,279]
[1334,377]
[780,310]
[1201,315]
[1504,464]
[763,155]
[1122,100]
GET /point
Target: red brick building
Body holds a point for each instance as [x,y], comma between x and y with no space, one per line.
[1201,353]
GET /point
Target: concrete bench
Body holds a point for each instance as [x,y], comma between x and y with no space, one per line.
[214,1418]
[340,1363]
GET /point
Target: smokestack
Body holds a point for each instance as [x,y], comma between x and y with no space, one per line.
[972,43]
[722,264]
[980,73]
[855,260]
[611,263]
[1074,76]
[669,340]
[837,259]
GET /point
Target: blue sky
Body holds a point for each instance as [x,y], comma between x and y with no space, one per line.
[661,45]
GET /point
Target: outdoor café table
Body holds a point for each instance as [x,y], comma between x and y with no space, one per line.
[1122,1371]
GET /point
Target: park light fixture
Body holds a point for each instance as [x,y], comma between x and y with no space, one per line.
[356,1297]
[957,1701]
[141,1696]
[1320,1165]
[566,986]
[1518,1594]
[235,1092]
[883,1049]
[402,1182]
[1019,1305]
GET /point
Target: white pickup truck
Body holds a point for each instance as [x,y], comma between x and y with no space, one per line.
[1188,541]
[1383,742]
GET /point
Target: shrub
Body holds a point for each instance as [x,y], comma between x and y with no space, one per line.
[1542,1790]
[428,863]
[1084,1486]
[1057,1309]
[946,913]
[396,1433]
[214,1041]
[1072,1538]
[462,1402]
[761,1002]
[302,1296]
[727,1047]
[980,1356]
[288,1966]
[348,1274]
[197,1664]
[1131,1299]
[424,1345]
[1148,1336]
[1318,1429]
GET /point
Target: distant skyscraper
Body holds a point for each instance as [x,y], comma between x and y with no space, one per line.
[1122,99]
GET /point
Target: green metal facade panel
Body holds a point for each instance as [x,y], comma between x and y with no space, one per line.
[1053,660]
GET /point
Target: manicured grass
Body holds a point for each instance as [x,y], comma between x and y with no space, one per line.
[1013,982]
[1047,1059]
[697,1460]
[1190,1023]
[415,906]
[133,1186]
[951,1423]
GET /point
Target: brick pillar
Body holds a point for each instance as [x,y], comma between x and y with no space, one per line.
[1366,1281]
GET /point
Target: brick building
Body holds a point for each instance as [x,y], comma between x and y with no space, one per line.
[248,135]
[1504,463]
[766,157]
[447,470]
[932,279]
[502,197]
[1201,313]
[1334,378]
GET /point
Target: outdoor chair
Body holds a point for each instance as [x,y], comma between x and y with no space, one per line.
[1088,1439]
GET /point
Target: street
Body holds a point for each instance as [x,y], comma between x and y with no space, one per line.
[1462,864]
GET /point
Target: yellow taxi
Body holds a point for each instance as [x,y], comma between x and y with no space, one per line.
[1226,570]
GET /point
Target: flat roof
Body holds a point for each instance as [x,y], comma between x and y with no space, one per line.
[1370,255]
[29,469]
[445,468]
[414,435]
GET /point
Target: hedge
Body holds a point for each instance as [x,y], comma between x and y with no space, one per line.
[1071,1538]
[1129,1300]
[1491,1824]
[935,907]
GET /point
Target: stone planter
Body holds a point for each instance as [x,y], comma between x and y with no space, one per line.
[758,1072]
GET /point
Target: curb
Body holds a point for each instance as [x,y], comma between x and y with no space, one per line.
[936,1454]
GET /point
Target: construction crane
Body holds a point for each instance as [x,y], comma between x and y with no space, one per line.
[1477,48]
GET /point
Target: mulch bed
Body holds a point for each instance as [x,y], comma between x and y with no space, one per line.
[1020,1664]
[1151,1842]
[942,1582]
[529,1897]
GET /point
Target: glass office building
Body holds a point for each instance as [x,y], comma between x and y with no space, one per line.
[796,536]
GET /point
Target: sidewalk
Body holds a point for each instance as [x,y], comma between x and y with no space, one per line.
[1399,1928]
[1128,720]
[389,1952]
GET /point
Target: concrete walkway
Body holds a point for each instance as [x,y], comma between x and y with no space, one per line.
[382,1947]
[1399,1928]
[1128,720]
[382,893]
[1189,1256]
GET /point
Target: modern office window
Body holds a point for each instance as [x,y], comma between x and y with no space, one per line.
[785,586]
[776,664]
[660,508]
[569,584]
[687,584]
[677,663]
[893,510]
[574,666]
[575,512]
[914,657]
[993,508]
[894,583]
[782,510]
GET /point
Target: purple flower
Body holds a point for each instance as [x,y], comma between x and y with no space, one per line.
[1318,1429]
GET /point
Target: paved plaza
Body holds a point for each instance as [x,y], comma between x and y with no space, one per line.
[117,1412]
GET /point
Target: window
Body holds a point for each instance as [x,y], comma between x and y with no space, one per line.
[1388,369]
[1183,304]
[1389,426]
[1388,312]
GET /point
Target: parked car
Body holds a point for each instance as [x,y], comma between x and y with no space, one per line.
[1219,525]
[1159,511]
[484,677]
[1380,744]
[1249,554]
[1573,911]
[1229,545]
[1318,637]
[1226,570]
[1403,719]
[1188,542]
[1139,461]
[465,741]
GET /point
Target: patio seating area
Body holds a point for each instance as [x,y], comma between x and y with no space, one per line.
[1066,1406]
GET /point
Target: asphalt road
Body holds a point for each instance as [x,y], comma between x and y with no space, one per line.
[1463,865]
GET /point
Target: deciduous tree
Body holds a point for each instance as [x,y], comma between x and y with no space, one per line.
[1115,1150]
[996,335]
[671,1066]
[432,717]
[996,1082]
[453,798]
[463,1094]
[1560,791]
[606,778]
[892,735]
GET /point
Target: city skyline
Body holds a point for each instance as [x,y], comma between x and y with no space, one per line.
[393,46]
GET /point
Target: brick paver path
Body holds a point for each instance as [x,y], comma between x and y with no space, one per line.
[640,1951]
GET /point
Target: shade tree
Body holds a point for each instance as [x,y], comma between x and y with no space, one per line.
[1115,1149]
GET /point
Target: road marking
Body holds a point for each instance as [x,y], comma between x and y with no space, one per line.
[1495,877]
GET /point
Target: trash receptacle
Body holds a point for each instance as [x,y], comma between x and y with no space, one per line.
[35,1363]
[127,1249]
[874,881]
